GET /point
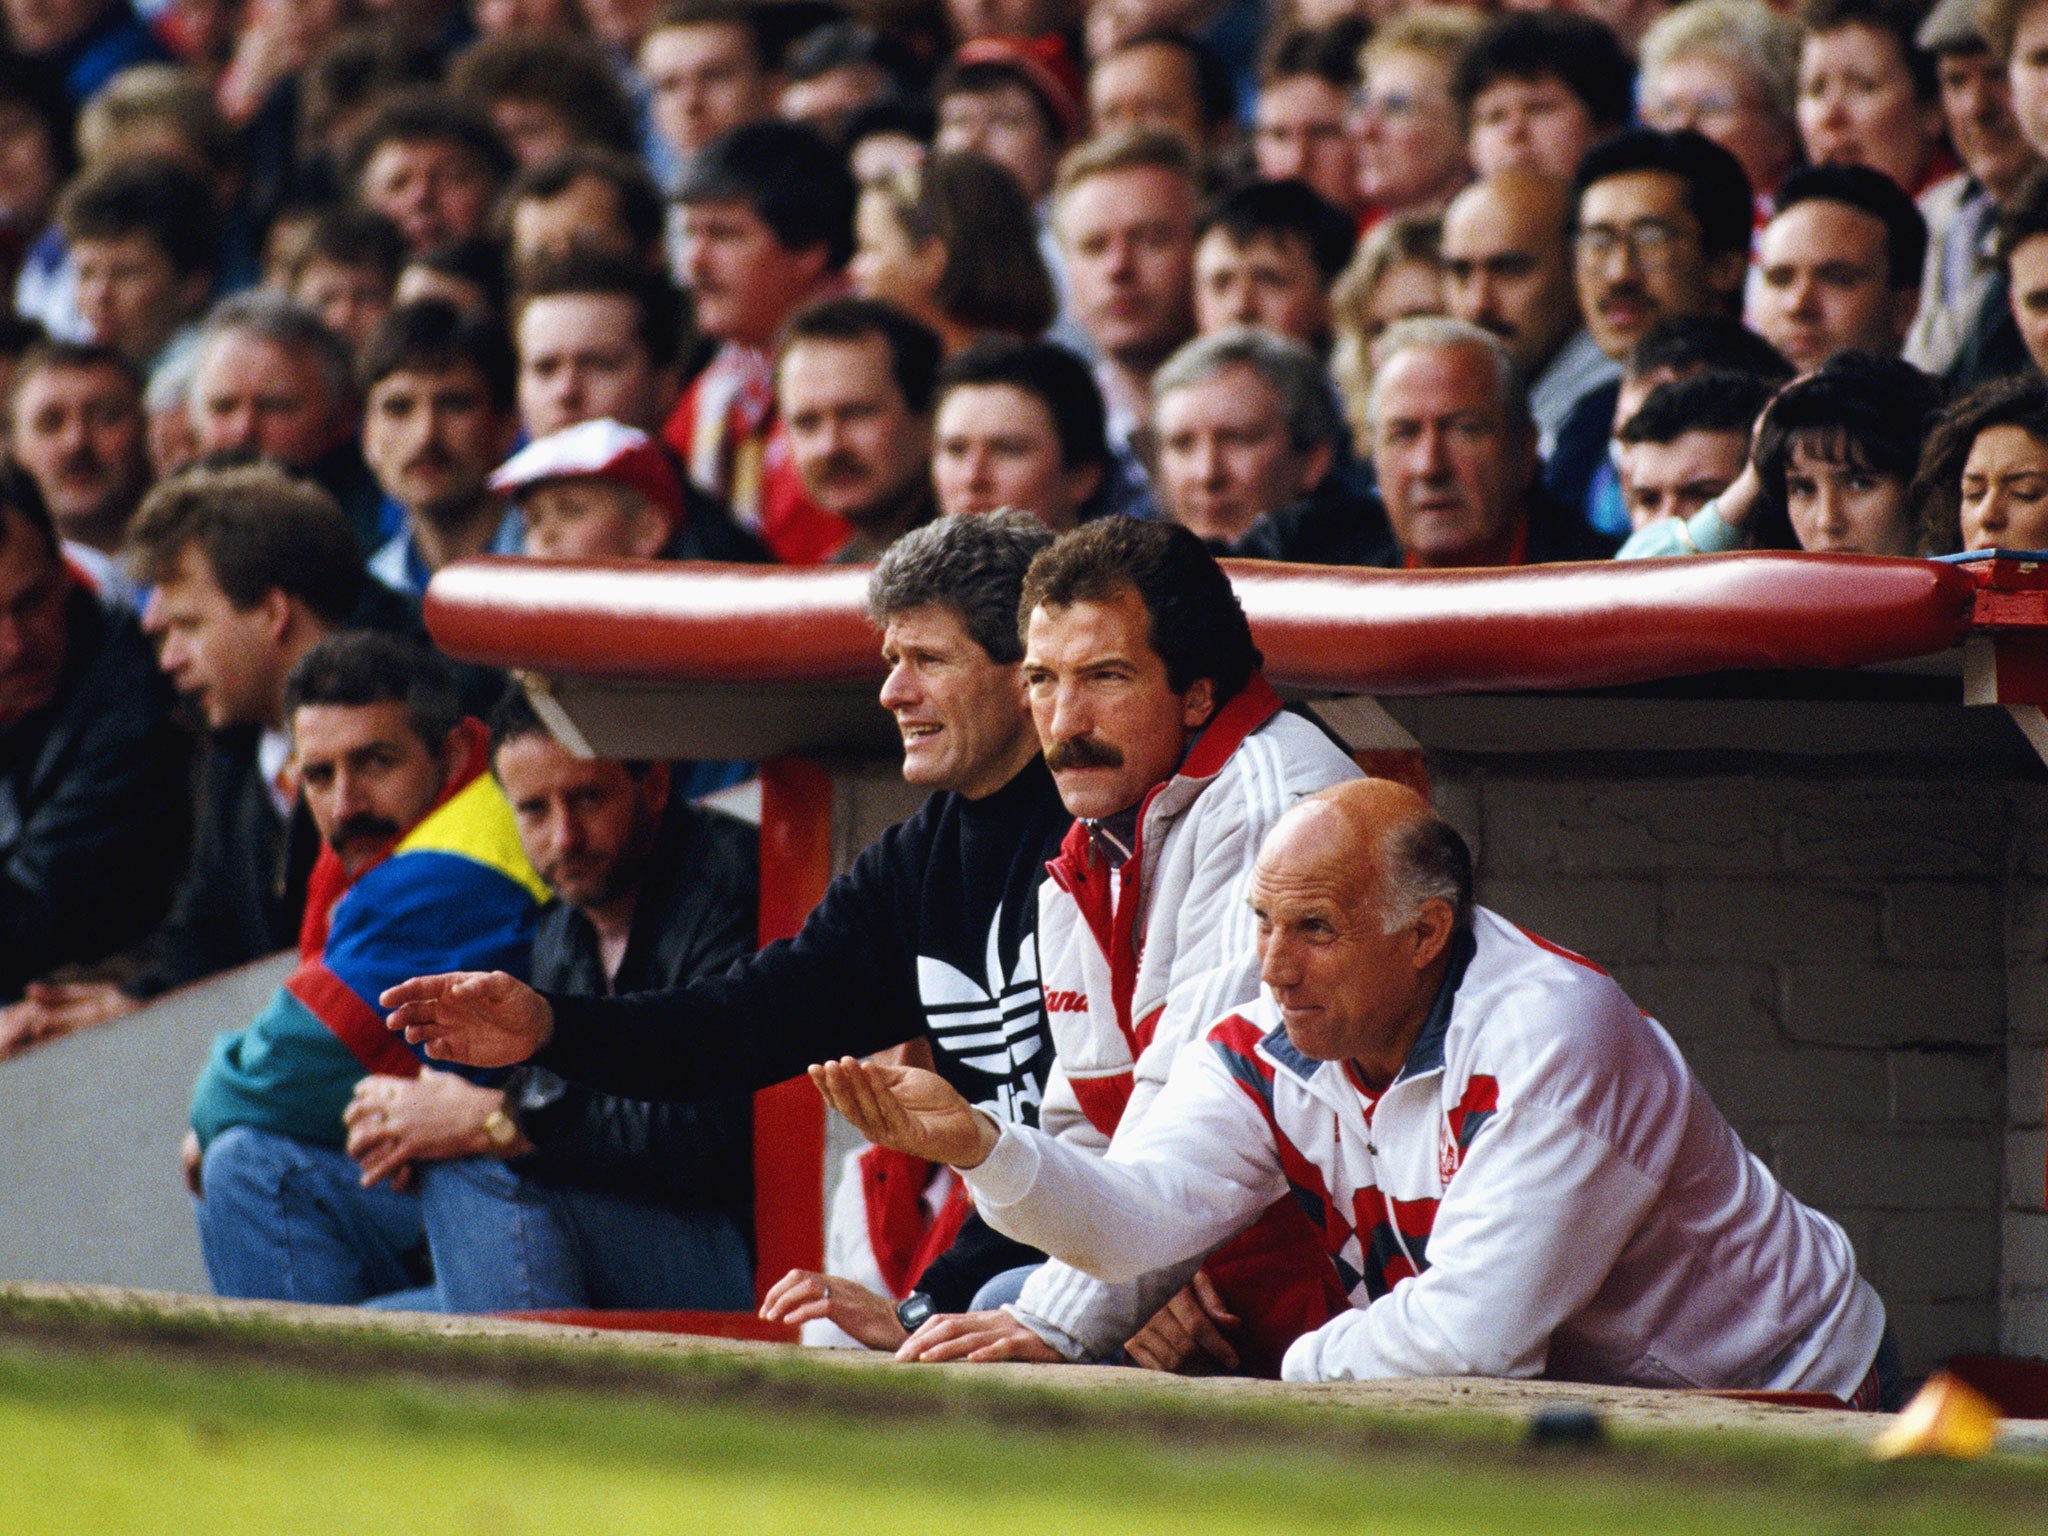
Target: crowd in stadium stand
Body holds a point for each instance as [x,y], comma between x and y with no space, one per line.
[1042,305]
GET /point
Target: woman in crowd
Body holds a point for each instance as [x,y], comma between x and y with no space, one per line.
[1983,482]
[954,244]
[1868,94]
[1728,69]
[1395,274]
[1836,451]
[1411,141]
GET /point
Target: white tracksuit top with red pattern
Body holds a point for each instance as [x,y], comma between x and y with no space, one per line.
[1135,962]
[1543,1190]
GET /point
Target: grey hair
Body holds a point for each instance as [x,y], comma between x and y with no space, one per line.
[1433,333]
[973,564]
[263,313]
[1421,861]
[1289,367]
[1744,32]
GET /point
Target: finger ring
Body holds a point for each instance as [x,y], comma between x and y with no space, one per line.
[828,1290]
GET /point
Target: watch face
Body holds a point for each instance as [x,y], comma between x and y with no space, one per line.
[913,1310]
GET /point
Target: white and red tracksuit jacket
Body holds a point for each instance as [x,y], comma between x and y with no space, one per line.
[1543,1190]
[1136,961]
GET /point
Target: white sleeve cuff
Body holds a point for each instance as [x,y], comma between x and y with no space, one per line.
[1008,1172]
[1052,1333]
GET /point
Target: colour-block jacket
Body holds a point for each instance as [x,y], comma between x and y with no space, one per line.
[1136,961]
[1543,1190]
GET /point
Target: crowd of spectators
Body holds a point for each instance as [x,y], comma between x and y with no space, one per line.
[315,297]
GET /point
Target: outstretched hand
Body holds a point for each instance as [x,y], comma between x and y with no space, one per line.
[479,1018]
[907,1110]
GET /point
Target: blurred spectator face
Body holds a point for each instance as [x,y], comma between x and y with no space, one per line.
[1411,153]
[1453,467]
[1000,18]
[704,83]
[494,18]
[1856,105]
[859,448]
[618,24]
[1299,134]
[996,447]
[2028,268]
[826,101]
[744,280]
[434,190]
[2027,75]
[533,130]
[1506,267]
[1720,99]
[1638,258]
[173,444]
[1837,506]
[1225,459]
[591,520]
[1005,125]
[28,167]
[37,27]
[1129,238]
[1405,290]
[2005,491]
[1677,478]
[886,265]
[581,358]
[1151,85]
[432,438]
[960,713]
[584,215]
[1823,285]
[419,282]
[879,156]
[130,296]
[366,775]
[80,432]
[1531,125]
[349,300]
[33,587]
[587,825]
[1272,282]
[225,659]
[1976,102]
[253,395]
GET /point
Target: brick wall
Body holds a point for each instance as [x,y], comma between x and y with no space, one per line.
[1855,961]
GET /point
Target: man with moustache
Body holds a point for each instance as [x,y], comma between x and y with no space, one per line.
[854,387]
[75,423]
[929,937]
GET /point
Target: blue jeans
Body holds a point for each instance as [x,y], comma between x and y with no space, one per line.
[1000,1290]
[289,1220]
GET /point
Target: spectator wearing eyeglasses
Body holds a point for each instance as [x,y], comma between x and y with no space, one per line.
[1411,144]
[1727,69]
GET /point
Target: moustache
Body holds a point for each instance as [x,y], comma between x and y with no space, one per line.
[1633,293]
[1082,752]
[82,465]
[433,458]
[364,827]
[839,466]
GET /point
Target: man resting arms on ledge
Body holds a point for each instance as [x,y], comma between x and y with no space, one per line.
[1513,1170]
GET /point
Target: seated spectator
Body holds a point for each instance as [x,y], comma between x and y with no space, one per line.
[1019,425]
[1688,443]
[587,198]
[2023,252]
[1267,255]
[1728,69]
[1396,274]
[597,336]
[1837,451]
[1167,81]
[888,138]
[1507,268]
[92,815]
[709,67]
[1016,101]
[1839,266]
[1539,89]
[84,43]
[545,96]
[767,227]
[834,71]
[75,423]
[41,157]
[142,242]
[347,271]
[601,490]
[854,387]
[609,1202]
[167,407]
[954,245]
[415,868]
[1983,480]
[470,274]
[1596,1176]
[273,382]
[1300,122]
[1245,426]
[1455,452]
[1868,94]
[431,165]
[439,414]
[345,86]
[1411,142]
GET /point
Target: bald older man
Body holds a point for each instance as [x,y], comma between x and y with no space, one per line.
[1514,1172]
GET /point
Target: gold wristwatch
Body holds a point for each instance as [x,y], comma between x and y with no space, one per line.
[501,1131]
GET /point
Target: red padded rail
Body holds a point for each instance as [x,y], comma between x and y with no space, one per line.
[1321,627]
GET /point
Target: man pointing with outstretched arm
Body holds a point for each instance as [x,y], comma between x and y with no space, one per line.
[1515,1172]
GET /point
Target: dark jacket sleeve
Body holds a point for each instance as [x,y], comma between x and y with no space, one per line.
[844,986]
